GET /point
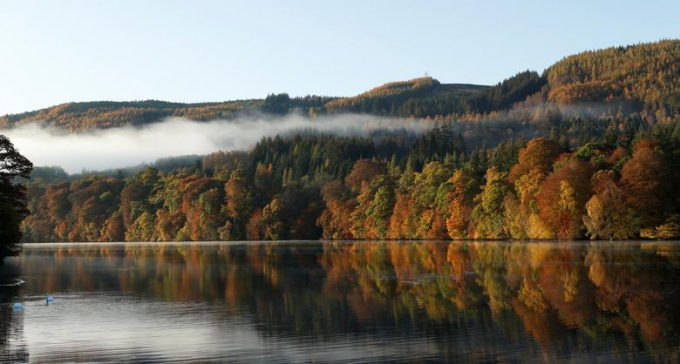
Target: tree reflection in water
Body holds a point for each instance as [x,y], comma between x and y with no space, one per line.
[475,301]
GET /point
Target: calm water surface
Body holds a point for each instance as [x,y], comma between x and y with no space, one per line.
[344,302]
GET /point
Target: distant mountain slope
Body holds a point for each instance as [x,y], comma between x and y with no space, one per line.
[103,114]
[646,76]
[78,116]
[417,97]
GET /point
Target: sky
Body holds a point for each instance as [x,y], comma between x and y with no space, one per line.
[53,52]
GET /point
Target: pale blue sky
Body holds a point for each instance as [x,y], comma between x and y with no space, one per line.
[58,51]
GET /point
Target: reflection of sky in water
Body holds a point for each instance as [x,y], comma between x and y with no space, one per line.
[104,327]
[301,302]
[110,325]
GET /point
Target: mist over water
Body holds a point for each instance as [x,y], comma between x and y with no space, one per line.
[133,145]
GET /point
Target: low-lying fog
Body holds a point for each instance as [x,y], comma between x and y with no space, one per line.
[128,146]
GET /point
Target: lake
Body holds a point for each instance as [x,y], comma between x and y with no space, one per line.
[343,302]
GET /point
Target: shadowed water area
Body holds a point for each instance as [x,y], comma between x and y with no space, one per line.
[344,302]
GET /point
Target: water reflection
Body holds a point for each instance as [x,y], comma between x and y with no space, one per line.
[339,301]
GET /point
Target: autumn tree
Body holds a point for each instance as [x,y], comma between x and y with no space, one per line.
[535,161]
[273,220]
[142,229]
[430,196]
[134,198]
[460,206]
[113,229]
[363,172]
[92,201]
[370,218]
[487,219]
[609,216]
[643,181]
[254,228]
[539,154]
[239,204]
[401,222]
[562,199]
[335,218]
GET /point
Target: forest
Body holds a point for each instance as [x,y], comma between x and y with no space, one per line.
[590,149]
[620,184]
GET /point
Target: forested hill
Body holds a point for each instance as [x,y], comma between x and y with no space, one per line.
[417,98]
[648,74]
[642,77]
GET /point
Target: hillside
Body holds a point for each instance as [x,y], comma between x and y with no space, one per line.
[422,97]
[417,97]
[646,74]
[103,114]
[643,76]
[78,116]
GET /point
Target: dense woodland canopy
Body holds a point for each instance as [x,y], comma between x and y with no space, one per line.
[646,74]
[616,186]
[588,149]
